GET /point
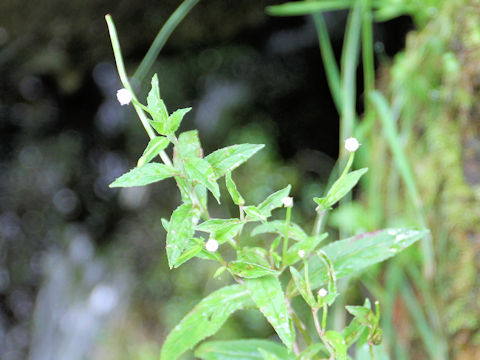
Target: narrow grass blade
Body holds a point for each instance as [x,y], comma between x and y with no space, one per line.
[162,37]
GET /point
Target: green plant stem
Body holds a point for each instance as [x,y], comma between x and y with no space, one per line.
[317,226]
[320,333]
[126,83]
[285,234]
[324,315]
[367,52]
[162,37]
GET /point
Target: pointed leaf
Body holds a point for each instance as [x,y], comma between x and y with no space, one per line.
[194,246]
[232,190]
[250,270]
[229,158]
[278,227]
[154,147]
[310,352]
[175,119]
[268,295]
[352,255]
[308,245]
[337,342]
[301,285]
[221,229]
[189,145]
[273,201]
[255,255]
[254,214]
[268,355]
[180,230]
[204,320]
[157,107]
[200,170]
[145,175]
[340,188]
[241,350]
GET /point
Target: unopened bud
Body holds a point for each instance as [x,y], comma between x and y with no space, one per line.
[287,201]
[352,144]
[124,96]
[322,292]
[211,245]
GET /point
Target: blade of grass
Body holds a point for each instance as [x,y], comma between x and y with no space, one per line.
[167,29]
[367,51]
[299,8]
[126,83]
[403,166]
[329,61]
[349,62]
[433,346]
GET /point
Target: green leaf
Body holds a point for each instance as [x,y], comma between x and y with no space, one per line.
[278,227]
[189,145]
[352,255]
[164,223]
[232,190]
[254,254]
[273,201]
[221,229]
[157,107]
[180,230]
[219,271]
[200,170]
[308,245]
[147,174]
[229,158]
[340,188]
[175,119]
[310,352]
[241,350]
[204,320]
[311,7]
[254,214]
[268,295]
[301,285]
[250,270]
[194,246]
[154,147]
[268,355]
[337,342]
[353,331]
[332,281]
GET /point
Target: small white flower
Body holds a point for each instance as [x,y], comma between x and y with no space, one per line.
[352,144]
[211,245]
[287,201]
[301,253]
[322,292]
[124,96]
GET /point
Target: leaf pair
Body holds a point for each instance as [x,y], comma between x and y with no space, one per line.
[212,312]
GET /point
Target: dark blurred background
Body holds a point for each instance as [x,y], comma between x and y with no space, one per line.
[82,268]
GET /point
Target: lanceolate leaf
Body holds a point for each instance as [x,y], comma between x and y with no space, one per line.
[352,255]
[340,188]
[221,229]
[301,285]
[204,320]
[180,231]
[200,170]
[154,147]
[241,350]
[250,270]
[175,119]
[337,342]
[307,245]
[278,227]
[232,190]
[189,145]
[267,294]
[157,107]
[147,174]
[229,158]
[273,201]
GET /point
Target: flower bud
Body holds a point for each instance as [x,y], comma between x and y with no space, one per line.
[124,96]
[301,253]
[211,245]
[352,144]
[287,201]
[322,292]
